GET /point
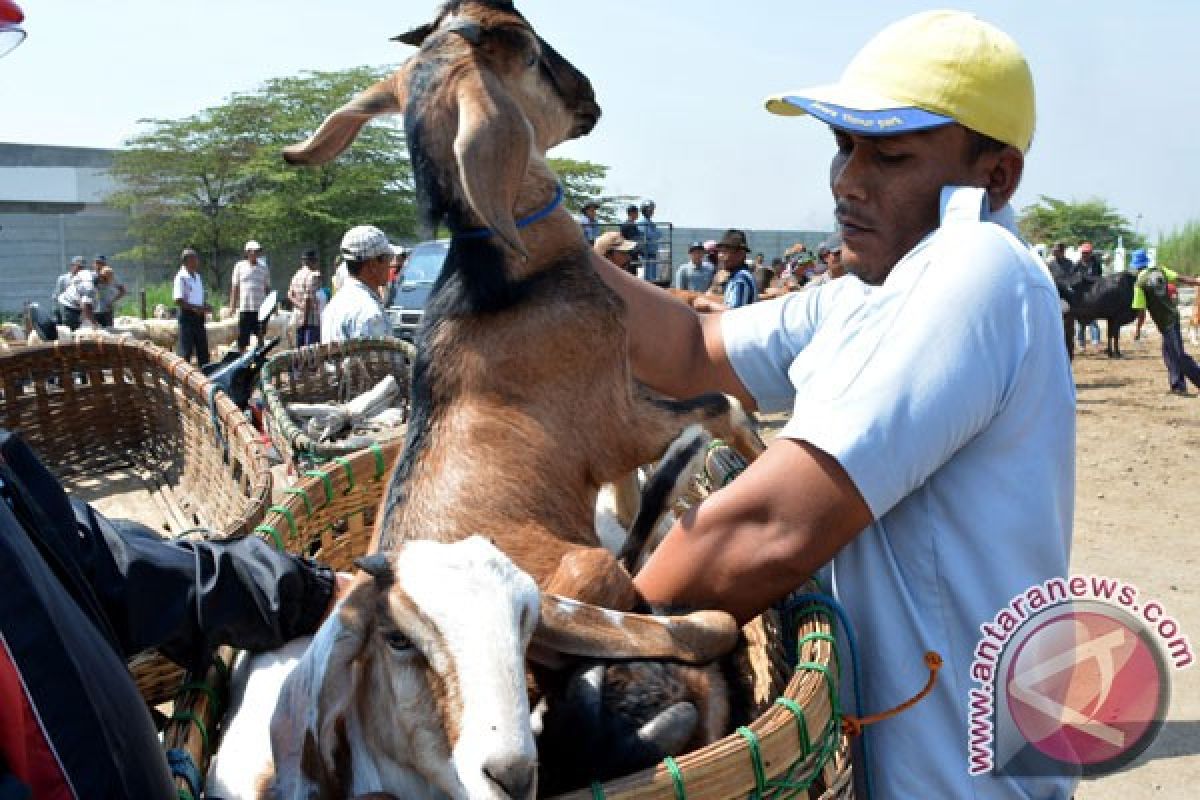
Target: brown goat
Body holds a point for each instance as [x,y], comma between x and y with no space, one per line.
[524,403]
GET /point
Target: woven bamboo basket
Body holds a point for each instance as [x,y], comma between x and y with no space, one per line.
[328,373]
[106,415]
[794,748]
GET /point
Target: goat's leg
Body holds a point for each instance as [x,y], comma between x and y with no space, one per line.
[658,420]
[593,575]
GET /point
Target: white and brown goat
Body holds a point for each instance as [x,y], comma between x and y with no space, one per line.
[523,398]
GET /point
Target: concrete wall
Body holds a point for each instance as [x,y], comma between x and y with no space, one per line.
[50,210]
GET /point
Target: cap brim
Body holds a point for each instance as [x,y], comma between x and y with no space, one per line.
[855,110]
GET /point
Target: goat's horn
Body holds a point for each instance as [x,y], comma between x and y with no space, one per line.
[340,129]
[492,148]
[568,626]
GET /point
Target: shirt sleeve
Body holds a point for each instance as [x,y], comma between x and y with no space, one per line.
[911,377]
[1139,297]
[762,340]
[178,291]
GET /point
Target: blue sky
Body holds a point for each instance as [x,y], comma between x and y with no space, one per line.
[681,84]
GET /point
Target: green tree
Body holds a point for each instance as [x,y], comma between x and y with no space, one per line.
[583,181]
[216,177]
[1180,249]
[1051,220]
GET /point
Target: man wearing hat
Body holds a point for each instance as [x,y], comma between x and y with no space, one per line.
[694,274]
[61,284]
[356,312]
[650,237]
[1090,269]
[188,293]
[302,293]
[933,409]
[1152,293]
[589,222]
[740,288]
[630,230]
[616,248]
[250,283]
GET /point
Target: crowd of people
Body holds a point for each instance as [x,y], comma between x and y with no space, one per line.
[86,296]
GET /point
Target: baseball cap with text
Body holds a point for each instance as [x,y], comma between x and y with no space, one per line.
[923,72]
[364,242]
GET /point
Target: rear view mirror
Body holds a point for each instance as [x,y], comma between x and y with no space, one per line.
[268,306]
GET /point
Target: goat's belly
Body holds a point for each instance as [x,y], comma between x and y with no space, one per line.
[245,752]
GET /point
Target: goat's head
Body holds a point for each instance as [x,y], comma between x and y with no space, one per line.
[419,682]
[483,98]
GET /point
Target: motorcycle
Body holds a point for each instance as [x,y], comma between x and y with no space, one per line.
[237,373]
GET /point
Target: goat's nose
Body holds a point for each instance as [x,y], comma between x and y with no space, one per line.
[516,775]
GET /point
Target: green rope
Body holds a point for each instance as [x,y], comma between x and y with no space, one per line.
[184,794]
[274,535]
[349,471]
[188,716]
[325,479]
[597,791]
[287,514]
[221,667]
[302,494]
[676,777]
[821,636]
[801,724]
[214,704]
[380,463]
[760,777]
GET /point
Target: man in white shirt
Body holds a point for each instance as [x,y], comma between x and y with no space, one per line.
[927,469]
[356,312]
[78,300]
[188,293]
[251,281]
[61,284]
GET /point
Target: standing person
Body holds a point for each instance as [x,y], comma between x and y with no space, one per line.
[650,238]
[1151,293]
[938,483]
[302,292]
[356,312]
[695,274]
[109,292]
[188,293]
[250,283]
[1059,262]
[830,254]
[61,284]
[1090,269]
[78,301]
[589,222]
[617,249]
[632,232]
[740,288]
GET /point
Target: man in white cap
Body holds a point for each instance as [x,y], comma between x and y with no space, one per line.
[61,284]
[932,434]
[355,312]
[251,281]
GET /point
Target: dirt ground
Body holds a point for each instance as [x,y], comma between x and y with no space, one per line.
[1137,518]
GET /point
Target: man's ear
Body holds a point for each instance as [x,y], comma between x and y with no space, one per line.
[1002,175]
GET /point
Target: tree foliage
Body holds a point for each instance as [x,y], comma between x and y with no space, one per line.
[1051,220]
[583,181]
[1180,250]
[214,178]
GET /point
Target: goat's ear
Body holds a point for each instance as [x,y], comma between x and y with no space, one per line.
[492,147]
[568,626]
[340,129]
[417,36]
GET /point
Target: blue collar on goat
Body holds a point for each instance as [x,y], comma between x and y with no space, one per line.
[523,222]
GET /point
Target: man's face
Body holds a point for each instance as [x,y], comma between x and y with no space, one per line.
[648,212]
[730,257]
[620,257]
[191,263]
[886,191]
[590,213]
[696,256]
[632,214]
[252,256]
[375,272]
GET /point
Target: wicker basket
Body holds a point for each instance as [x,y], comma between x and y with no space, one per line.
[795,747]
[107,415]
[328,373]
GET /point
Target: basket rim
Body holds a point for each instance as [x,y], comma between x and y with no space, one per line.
[193,382]
[283,425]
[776,730]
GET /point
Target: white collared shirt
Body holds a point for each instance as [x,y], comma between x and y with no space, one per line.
[188,287]
[355,312]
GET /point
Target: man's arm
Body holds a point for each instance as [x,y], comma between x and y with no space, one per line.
[756,540]
[233,289]
[674,350]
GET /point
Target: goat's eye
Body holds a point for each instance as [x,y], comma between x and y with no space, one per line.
[397,641]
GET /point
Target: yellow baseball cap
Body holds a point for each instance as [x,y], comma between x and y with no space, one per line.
[925,71]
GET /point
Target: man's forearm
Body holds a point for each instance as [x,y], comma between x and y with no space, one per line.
[673,349]
[758,539]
